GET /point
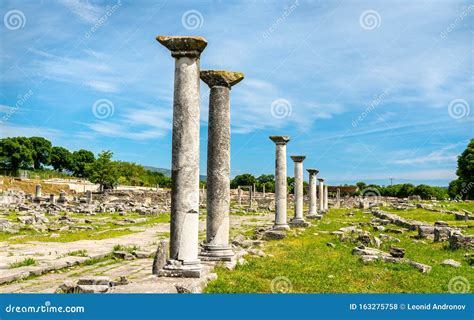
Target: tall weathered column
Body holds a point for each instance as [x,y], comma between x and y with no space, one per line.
[217,245]
[338,198]
[184,261]
[250,197]
[321,195]
[298,220]
[326,205]
[239,197]
[88,197]
[313,211]
[280,182]
[38,193]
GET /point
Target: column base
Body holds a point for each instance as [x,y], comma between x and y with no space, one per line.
[216,253]
[298,223]
[281,227]
[314,216]
[181,269]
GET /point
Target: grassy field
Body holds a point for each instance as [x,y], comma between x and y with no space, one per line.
[306,264]
[104,225]
[431,217]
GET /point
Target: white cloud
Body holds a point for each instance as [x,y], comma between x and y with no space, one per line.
[442,156]
[85,10]
[140,123]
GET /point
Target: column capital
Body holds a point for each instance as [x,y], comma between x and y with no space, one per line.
[321,179]
[298,158]
[181,46]
[221,78]
[280,139]
[312,171]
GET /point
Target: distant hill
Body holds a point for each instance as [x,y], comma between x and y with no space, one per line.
[167,172]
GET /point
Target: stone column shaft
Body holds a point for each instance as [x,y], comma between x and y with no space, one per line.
[280,182]
[184,225]
[217,245]
[298,220]
[313,211]
[239,197]
[321,195]
[38,193]
[326,205]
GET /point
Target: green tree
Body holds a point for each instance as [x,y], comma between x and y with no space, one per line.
[454,189]
[290,182]
[80,159]
[103,171]
[424,191]
[61,159]
[361,186]
[16,153]
[406,190]
[267,180]
[41,151]
[463,187]
[245,179]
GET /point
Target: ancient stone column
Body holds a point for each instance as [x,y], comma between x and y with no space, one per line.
[38,191]
[280,182]
[338,198]
[216,246]
[250,197]
[184,226]
[313,211]
[263,190]
[239,197]
[298,220]
[321,195]
[52,198]
[326,205]
[88,197]
[62,197]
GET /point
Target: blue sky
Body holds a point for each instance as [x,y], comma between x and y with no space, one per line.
[367,90]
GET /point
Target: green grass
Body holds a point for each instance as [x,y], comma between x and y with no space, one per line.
[103,224]
[78,253]
[119,247]
[23,263]
[313,267]
[456,206]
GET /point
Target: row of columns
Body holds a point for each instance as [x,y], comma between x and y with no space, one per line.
[185,258]
[281,189]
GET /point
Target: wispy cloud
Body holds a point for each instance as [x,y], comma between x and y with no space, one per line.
[135,123]
[83,9]
[443,155]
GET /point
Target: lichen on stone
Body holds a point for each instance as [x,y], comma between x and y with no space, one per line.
[221,78]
